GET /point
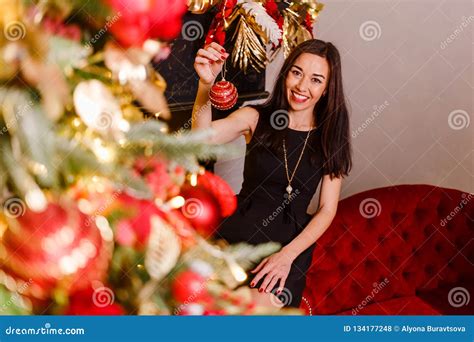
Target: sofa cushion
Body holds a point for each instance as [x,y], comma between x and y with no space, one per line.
[389,243]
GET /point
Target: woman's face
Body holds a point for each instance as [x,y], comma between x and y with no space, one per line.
[306,81]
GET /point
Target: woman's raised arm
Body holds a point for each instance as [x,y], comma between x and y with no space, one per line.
[208,65]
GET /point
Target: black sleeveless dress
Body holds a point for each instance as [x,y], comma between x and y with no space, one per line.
[266,213]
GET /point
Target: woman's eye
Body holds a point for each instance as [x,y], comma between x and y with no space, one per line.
[296,72]
[316,80]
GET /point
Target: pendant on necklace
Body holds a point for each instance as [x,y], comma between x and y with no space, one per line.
[289,189]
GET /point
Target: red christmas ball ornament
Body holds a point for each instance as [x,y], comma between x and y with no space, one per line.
[223,95]
[88,302]
[59,248]
[201,209]
[189,287]
[136,21]
[222,192]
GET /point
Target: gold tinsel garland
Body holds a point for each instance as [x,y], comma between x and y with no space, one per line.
[256,28]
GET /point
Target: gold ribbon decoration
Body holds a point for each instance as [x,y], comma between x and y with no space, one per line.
[294,30]
[201,6]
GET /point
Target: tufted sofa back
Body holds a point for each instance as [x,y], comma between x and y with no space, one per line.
[392,242]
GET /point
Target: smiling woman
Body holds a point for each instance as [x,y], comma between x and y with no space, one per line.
[299,137]
[295,79]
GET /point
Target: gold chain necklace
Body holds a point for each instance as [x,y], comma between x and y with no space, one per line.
[289,188]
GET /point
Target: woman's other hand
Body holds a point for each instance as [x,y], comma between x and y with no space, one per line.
[274,268]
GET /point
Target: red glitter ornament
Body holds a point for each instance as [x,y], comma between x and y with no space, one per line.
[201,209]
[189,287]
[59,248]
[223,95]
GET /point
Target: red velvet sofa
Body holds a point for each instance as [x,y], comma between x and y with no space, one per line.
[399,250]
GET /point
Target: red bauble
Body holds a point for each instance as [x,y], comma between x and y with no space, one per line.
[222,192]
[59,248]
[189,287]
[201,209]
[136,21]
[84,302]
[223,95]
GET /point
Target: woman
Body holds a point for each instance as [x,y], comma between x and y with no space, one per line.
[295,139]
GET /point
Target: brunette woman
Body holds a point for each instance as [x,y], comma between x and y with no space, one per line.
[295,140]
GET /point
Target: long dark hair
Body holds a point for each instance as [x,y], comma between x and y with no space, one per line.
[330,113]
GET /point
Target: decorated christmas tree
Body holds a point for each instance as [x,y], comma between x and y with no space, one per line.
[104,210]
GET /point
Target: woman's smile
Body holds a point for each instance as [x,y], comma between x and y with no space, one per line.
[298,97]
